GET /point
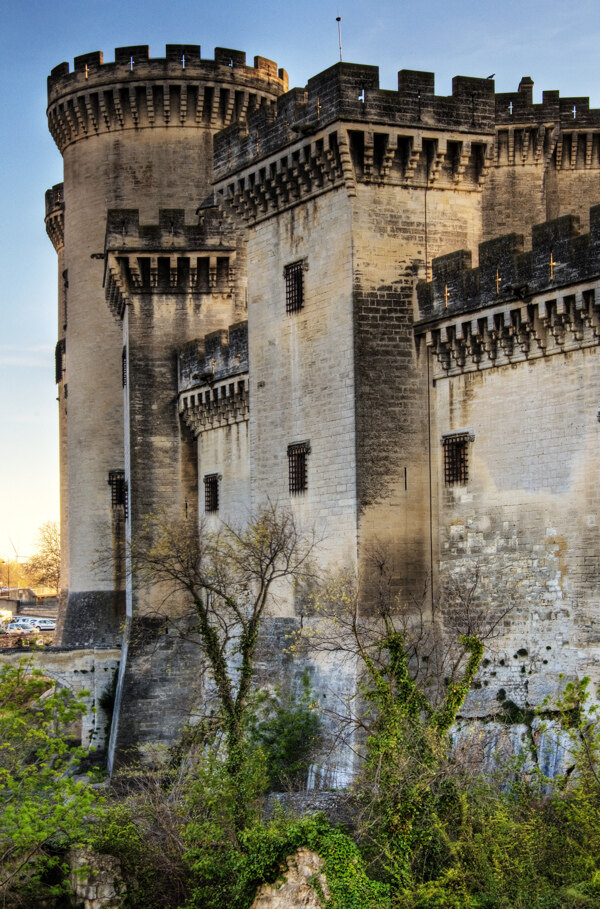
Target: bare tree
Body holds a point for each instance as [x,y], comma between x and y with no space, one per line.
[13,574]
[229,577]
[366,624]
[44,566]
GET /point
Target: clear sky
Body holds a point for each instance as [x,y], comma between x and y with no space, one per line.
[554,43]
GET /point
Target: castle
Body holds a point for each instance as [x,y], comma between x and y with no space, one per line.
[270,293]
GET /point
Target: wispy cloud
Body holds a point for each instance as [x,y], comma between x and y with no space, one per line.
[34,356]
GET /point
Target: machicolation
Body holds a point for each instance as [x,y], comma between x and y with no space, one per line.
[137,91]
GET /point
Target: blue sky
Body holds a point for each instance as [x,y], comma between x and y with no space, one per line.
[554,43]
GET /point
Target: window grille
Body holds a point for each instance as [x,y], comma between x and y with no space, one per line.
[294,286]
[124,367]
[297,467]
[211,492]
[119,492]
[59,355]
[456,458]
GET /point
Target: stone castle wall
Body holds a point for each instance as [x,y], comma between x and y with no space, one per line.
[88,674]
[55,228]
[527,519]
[365,193]
[545,163]
[302,368]
[165,282]
[516,377]
[214,404]
[392,240]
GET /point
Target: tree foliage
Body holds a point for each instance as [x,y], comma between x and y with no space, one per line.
[193,833]
[14,574]
[43,808]
[287,729]
[44,566]
[411,685]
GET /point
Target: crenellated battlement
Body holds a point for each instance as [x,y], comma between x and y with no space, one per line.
[518,107]
[564,129]
[55,215]
[351,92]
[170,257]
[219,355]
[516,304]
[302,150]
[124,231]
[136,91]
[560,255]
[213,379]
[447,134]
[337,157]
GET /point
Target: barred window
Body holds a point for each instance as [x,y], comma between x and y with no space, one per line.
[297,467]
[119,492]
[65,276]
[59,359]
[124,367]
[211,492]
[294,286]
[456,458]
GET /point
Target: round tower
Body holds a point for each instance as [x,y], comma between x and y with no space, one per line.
[55,228]
[136,133]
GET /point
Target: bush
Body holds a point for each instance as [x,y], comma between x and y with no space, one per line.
[43,808]
[288,733]
[230,879]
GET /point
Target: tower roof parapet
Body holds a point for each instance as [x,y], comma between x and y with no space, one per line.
[213,379]
[124,232]
[137,91]
[351,92]
[219,355]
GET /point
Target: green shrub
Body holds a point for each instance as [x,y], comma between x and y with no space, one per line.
[229,879]
[288,732]
[43,808]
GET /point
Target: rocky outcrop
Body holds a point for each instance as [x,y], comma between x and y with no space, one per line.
[96,880]
[296,889]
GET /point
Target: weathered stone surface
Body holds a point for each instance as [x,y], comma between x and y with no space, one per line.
[296,890]
[94,619]
[96,880]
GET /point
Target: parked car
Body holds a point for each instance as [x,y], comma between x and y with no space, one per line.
[18,628]
[46,624]
[35,621]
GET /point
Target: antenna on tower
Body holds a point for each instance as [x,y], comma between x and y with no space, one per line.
[338,19]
